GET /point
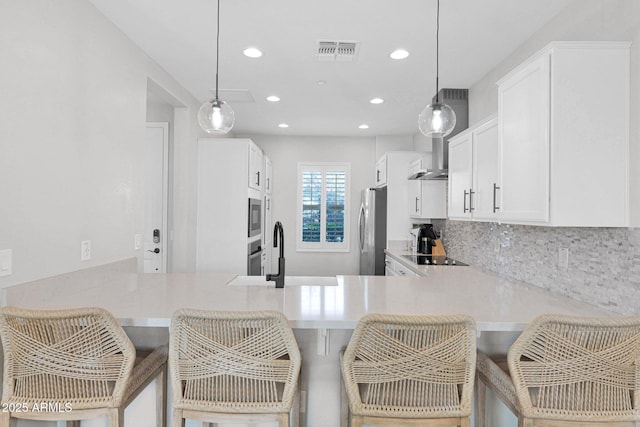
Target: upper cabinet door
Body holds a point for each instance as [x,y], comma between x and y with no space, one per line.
[524,112]
[460,177]
[268,175]
[381,172]
[486,172]
[256,174]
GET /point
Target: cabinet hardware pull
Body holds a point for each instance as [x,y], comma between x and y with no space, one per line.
[471,193]
[268,188]
[495,188]
[378,175]
[258,181]
[464,202]
[417,204]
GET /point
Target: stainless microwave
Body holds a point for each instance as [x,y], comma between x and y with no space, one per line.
[255,217]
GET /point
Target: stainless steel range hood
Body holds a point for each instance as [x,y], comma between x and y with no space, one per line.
[458,99]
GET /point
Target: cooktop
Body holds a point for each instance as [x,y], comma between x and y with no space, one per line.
[422,259]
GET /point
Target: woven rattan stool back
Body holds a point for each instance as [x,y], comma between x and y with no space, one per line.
[580,369]
[411,366]
[233,362]
[81,357]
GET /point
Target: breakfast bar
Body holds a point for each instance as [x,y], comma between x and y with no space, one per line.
[322,312]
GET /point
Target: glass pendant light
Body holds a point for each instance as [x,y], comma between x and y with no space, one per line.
[437,120]
[216,116]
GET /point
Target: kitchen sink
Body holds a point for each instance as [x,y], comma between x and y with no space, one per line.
[288,281]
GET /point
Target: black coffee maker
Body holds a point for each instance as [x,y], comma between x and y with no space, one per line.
[426,239]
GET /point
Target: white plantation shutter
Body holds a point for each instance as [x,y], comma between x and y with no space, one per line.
[334,190]
[323,195]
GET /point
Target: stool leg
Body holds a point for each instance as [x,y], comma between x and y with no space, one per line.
[178,421]
[465,422]
[5,419]
[161,398]
[115,418]
[481,402]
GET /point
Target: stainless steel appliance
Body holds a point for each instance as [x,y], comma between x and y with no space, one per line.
[254,258]
[255,217]
[372,231]
[426,239]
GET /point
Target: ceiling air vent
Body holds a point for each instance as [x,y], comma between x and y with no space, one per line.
[337,51]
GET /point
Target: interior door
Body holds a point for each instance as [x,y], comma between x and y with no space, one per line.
[156,189]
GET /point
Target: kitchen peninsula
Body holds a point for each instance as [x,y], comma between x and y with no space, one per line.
[322,316]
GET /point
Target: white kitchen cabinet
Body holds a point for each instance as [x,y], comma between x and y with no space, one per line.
[222,236]
[256,173]
[564,137]
[396,166]
[381,171]
[394,268]
[268,175]
[486,171]
[427,198]
[460,175]
[474,180]
[267,234]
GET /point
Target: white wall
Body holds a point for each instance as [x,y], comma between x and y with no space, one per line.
[386,143]
[72,122]
[582,20]
[285,153]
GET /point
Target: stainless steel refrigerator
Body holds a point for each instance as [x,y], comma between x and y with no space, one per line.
[372,231]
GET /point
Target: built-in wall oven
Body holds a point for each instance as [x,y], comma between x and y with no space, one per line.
[254,258]
[255,217]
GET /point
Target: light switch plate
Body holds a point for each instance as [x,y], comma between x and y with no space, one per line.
[6,262]
[137,242]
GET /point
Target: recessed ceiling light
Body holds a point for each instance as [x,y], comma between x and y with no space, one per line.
[283,125]
[377,101]
[399,54]
[252,52]
[273,98]
[363,126]
[321,82]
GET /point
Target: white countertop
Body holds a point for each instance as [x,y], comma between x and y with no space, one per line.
[497,304]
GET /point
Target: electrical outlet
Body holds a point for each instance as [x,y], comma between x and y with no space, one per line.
[563,258]
[85,250]
[6,256]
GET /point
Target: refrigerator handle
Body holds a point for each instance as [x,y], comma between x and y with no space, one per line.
[360,230]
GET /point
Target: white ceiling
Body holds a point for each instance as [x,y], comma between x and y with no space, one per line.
[475,35]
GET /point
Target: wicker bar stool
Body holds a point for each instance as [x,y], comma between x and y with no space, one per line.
[409,370]
[233,367]
[568,371]
[70,365]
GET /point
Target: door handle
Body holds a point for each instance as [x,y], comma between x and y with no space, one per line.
[495,188]
[464,202]
[360,231]
[155,251]
[471,193]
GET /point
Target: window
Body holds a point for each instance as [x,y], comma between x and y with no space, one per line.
[323,207]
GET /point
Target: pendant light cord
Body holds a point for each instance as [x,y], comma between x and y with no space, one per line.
[217,48]
[437,49]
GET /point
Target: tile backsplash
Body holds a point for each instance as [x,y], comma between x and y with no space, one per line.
[603,263]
